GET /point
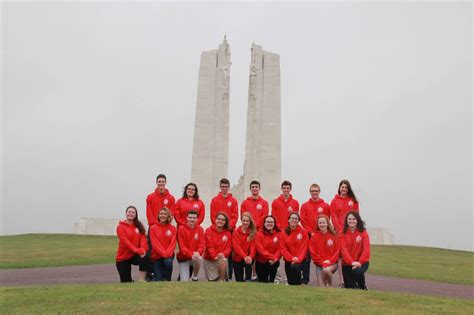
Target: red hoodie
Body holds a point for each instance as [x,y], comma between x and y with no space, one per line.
[339,208]
[268,246]
[241,247]
[295,244]
[355,246]
[311,210]
[155,202]
[281,210]
[229,205]
[217,242]
[163,241]
[324,247]
[190,241]
[183,205]
[258,208]
[131,241]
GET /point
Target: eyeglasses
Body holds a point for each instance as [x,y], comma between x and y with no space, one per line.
[220,219]
[190,188]
[269,222]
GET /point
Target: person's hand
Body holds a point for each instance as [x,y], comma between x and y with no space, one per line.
[142,255]
[220,256]
[294,260]
[196,256]
[327,262]
[248,260]
[356,264]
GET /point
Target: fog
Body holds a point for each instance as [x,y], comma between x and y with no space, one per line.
[99,98]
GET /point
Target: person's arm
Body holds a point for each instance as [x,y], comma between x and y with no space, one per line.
[304,248]
[169,251]
[202,242]
[155,241]
[214,211]
[284,251]
[149,211]
[252,249]
[261,220]
[182,240]
[335,216]
[143,244]
[210,245]
[337,252]
[305,218]
[202,211]
[238,251]
[313,250]
[123,239]
[228,246]
[346,256]
[365,257]
[234,214]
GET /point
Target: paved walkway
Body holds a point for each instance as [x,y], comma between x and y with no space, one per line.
[107,273]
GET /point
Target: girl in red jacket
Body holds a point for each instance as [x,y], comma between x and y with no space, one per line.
[218,248]
[355,248]
[189,201]
[294,248]
[267,243]
[163,242]
[343,202]
[243,245]
[325,251]
[132,246]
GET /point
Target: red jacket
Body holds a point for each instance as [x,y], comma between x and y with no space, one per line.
[190,241]
[217,242]
[324,247]
[155,202]
[183,205]
[229,205]
[295,244]
[281,210]
[131,242]
[163,241]
[339,209]
[258,208]
[355,246]
[268,246]
[310,211]
[241,247]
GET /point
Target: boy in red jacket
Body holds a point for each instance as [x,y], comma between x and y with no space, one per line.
[255,204]
[284,205]
[191,243]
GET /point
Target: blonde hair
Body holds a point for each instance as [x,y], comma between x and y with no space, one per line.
[169,217]
[252,227]
[330,227]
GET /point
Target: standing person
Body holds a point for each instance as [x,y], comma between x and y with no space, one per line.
[158,199]
[189,201]
[294,248]
[284,205]
[255,204]
[267,243]
[355,248]
[218,248]
[191,243]
[243,246]
[343,202]
[132,246]
[163,242]
[325,251]
[310,211]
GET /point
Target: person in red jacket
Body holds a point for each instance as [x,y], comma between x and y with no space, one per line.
[343,202]
[255,204]
[268,256]
[189,201]
[218,248]
[225,202]
[284,205]
[310,211]
[132,246]
[163,242]
[191,243]
[294,247]
[243,246]
[325,251]
[158,199]
[355,248]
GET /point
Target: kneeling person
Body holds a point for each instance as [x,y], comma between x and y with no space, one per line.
[191,243]
[218,248]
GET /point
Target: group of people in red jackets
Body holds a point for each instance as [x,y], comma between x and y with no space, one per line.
[332,236]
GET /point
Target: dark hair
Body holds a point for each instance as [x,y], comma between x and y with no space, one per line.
[161,176]
[137,222]
[350,193]
[286,183]
[330,227]
[360,224]
[196,195]
[288,229]
[264,229]
[226,225]
[224,181]
[192,212]
[254,182]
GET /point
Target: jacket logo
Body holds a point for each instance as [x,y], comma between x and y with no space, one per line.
[196,236]
[330,242]
[165,202]
[358,238]
[195,206]
[224,238]
[137,231]
[350,203]
[168,233]
[320,210]
[259,207]
[290,209]
[275,240]
[229,204]
[299,236]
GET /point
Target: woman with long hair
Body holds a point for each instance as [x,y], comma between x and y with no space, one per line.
[218,248]
[189,201]
[325,251]
[267,243]
[343,202]
[132,246]
[294,248]
[163,242]
[355,248]
[243,244]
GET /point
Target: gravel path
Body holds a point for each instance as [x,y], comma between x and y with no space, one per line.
[107,273]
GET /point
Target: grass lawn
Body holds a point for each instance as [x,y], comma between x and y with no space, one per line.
[205,297]
[47,250]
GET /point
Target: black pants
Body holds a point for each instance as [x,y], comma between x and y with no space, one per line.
[230,265]
[293,273]
[149,267]
[266,272]
[306,265]
[240,268]
[124,267]
[354,278]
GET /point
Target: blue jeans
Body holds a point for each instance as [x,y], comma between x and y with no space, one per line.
[162,269]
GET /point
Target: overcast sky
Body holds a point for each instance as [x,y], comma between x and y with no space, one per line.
[98,98]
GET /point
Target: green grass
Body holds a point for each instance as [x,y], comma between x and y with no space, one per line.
[230,298]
